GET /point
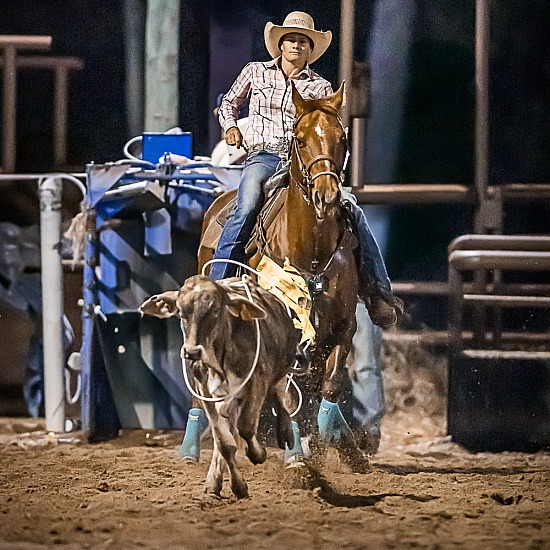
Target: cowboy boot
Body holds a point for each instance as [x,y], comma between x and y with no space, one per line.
[384,307]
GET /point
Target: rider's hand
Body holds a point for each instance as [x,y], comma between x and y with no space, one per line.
[233,136]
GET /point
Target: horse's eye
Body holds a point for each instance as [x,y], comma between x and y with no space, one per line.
[299,142]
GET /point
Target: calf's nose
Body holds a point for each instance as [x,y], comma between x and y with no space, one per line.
[193,353]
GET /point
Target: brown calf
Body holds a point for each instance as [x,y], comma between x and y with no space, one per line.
[220,324]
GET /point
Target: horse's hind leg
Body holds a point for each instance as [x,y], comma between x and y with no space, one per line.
[288,432]
[190,449]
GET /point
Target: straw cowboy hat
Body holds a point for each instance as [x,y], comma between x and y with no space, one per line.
[301,22]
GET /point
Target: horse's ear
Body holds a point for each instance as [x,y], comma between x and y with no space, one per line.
[339,97]
[297,99]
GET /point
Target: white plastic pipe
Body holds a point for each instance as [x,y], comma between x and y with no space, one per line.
[50,190]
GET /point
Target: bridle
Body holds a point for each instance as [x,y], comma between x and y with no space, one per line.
[307,183]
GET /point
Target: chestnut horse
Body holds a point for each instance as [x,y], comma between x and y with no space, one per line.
[312,231]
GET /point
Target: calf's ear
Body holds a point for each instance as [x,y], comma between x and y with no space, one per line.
[161,305]
[245,309]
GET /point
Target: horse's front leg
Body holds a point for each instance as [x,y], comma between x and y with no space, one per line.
[332,424]
[333,427]
[335,372]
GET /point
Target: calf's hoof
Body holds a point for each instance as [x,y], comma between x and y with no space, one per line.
[213,487]
[239,488]
[256,455]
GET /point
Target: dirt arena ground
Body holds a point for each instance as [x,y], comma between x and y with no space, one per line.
[423,491]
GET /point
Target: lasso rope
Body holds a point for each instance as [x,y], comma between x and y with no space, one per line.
[243,283]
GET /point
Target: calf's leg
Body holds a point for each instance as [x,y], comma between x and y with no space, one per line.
[214,478]
[248,427]
[227,445]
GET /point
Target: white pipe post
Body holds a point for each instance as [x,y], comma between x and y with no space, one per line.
[52,302]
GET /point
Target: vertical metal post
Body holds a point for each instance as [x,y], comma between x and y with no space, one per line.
[482,107]
[134,50]
[88,306]
[347,31]
[61,109]
[9,108]
[358,137]
[50,190]
[161,65]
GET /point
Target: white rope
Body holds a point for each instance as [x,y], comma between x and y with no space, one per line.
[290,375]
[66,177]
[240,264]
[290,380]
[72,399]
[126,148]
[250,373]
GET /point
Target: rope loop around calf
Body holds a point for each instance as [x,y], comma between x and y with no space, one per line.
[243,282]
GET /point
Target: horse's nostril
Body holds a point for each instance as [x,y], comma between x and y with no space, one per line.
[193,353]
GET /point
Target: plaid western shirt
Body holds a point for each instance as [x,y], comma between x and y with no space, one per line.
[271,110]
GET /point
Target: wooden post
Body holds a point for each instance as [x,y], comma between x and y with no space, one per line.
[134,54]
[61,110]
[347,35]
[161,65]
[482,111]
[10,106]
[10,44]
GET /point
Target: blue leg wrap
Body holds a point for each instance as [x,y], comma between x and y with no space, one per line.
[331,422]
[297,452]
[196,423]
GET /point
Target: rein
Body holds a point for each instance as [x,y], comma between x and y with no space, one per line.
[307,185]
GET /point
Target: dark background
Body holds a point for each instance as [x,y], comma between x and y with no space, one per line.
[437,140]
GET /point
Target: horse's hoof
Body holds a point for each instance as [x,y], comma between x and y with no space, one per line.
[294,462]
[186,459]
[352,456]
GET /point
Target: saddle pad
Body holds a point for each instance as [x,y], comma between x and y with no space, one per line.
[287,284]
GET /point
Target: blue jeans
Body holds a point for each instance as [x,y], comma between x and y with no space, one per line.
[258,168]
[366,375]
[372,269]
